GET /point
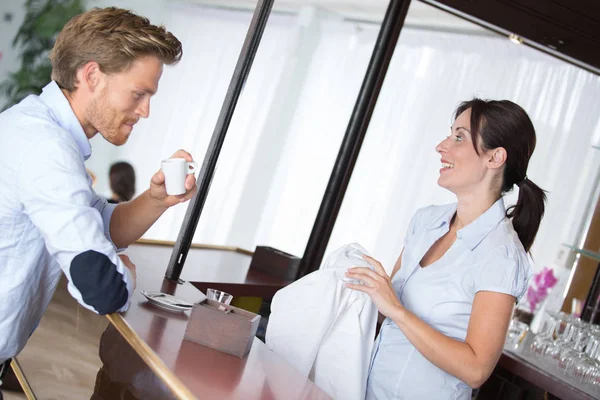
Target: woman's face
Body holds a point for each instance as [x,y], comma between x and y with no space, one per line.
[463,170]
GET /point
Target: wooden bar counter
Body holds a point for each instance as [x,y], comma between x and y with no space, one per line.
[144,355]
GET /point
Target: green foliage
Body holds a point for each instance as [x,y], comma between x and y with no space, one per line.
[44,19]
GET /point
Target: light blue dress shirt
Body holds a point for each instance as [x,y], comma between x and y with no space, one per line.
[51,220]
[487,255]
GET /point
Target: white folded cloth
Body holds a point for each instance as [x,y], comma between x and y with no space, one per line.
[324,329]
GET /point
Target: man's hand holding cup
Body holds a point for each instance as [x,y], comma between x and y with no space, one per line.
[175,182]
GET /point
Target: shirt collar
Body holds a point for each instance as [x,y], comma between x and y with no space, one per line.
[477,230]
[56,101]
[443,219]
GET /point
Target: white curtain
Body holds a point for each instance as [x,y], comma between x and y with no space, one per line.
[292,115]
[429,75]
[185,110]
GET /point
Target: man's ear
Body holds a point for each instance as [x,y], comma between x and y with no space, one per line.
[90,76]
[496,157]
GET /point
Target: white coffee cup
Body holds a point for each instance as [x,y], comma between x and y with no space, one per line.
[175,171]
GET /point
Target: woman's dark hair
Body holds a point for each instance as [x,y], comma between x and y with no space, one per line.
[122,180]
[505,124]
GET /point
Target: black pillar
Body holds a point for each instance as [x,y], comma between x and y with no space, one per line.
[242,69]
[355,133]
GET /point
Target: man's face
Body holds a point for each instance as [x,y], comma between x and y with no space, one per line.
[124,98]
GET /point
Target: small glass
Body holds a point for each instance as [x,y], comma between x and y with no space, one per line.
[218,295]
[544,338]
[563,332]
[516,333]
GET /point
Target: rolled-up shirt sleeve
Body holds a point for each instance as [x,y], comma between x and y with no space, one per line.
[74,223]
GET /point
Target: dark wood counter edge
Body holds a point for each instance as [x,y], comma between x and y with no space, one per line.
[256,284]
[265,291]
[151,359]
[196,246]
[542,379]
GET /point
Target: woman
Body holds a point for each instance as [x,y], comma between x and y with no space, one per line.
[463,265]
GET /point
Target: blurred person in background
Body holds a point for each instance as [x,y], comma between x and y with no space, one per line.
[122,182]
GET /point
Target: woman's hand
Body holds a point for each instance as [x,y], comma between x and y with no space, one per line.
[377,284]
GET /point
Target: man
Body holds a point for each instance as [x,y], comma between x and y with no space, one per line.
[106,64]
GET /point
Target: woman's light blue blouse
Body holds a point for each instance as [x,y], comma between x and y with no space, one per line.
[487,255]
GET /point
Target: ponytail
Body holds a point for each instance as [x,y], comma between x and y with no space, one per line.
[528,212]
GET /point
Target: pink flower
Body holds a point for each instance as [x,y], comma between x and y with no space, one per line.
[549,280]
[537,279]
[538,290]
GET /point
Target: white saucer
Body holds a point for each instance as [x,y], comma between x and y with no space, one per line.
[166,301]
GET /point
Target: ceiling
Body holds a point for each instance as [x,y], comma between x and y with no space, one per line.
[419,14]
[567,29]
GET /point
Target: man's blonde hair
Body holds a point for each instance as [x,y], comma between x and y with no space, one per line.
[113,38]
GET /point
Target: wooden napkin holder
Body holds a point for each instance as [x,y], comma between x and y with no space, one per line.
[229,329]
